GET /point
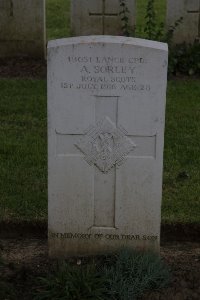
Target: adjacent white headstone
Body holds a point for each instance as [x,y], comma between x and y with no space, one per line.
[189,30]
[99,16]
[106,109]
[22,28]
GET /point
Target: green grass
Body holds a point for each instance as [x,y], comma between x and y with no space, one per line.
[57,19]
[23,154]
[181,192]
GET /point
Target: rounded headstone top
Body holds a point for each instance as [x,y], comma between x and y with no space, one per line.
[107,39]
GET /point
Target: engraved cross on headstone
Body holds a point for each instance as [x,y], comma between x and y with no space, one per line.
[103,14]
[105,146]
[196,11]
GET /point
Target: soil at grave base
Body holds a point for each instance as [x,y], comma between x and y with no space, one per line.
[22,67]
[26,259]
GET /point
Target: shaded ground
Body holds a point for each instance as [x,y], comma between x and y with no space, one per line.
[22,68]
[26,259]
[184,262]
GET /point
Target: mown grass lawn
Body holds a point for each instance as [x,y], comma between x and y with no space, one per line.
[181,186]
[23,150]
[23,138]
[57,19]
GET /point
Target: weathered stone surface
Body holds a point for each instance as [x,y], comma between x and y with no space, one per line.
[99,16]
[22,28]
[106,111]
[189,30]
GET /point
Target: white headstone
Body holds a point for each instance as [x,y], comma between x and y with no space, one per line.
[106,110]
[189,30]
[22,28]
[99,16]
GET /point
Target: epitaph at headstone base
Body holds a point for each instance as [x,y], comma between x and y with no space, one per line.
[106,108]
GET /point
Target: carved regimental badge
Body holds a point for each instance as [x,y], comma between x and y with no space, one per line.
[105,145]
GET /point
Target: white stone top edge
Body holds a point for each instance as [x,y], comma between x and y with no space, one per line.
[108,39]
